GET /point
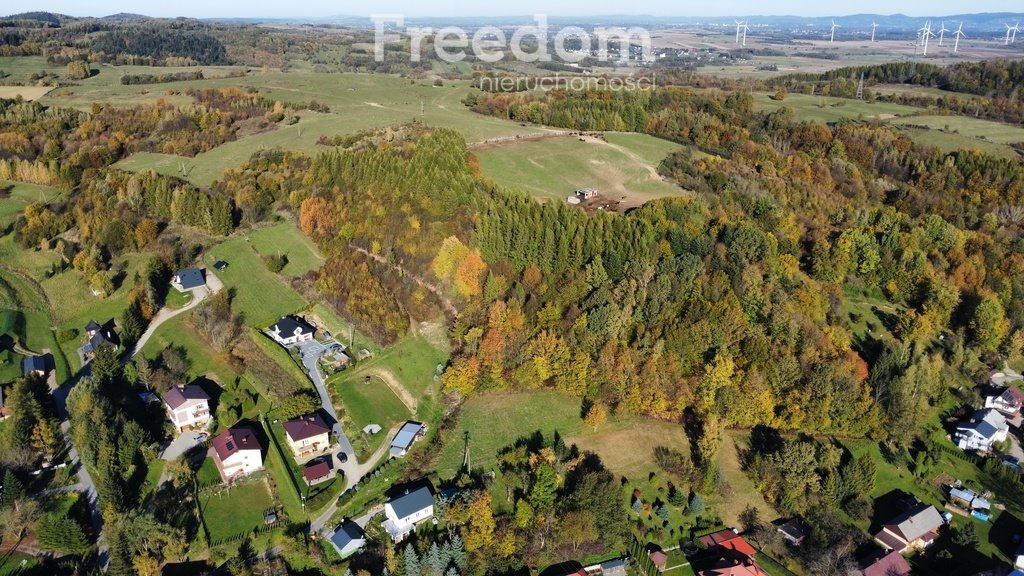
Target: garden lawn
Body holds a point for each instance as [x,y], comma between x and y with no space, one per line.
[178,332]
[238,510]
[495,421]
[260,296]
[370,402]
[286,239]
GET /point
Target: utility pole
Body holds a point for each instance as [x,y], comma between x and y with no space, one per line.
[860,87]
[465,457]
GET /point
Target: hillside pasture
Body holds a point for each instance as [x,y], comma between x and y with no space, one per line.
[827,109]
[622,168]
[260,296]
[974,128]
[20,195]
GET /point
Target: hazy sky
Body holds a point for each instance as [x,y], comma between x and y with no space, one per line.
[314,8]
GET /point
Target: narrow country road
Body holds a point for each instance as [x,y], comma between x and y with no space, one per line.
[60,396]
[213,285]
[352,475]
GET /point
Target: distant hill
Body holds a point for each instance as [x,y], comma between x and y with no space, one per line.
[127,17]
[47,17]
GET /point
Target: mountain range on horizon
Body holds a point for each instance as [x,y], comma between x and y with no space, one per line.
[988,21]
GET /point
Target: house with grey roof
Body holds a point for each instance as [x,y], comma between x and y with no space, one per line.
[404,512]
[291,330]
[915,529]
[985,428]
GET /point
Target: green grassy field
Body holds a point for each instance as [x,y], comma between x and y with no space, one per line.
[498,420]
[413,360]
[950,141]
[260,296]
[370,402]
[238,510]
[826,109]
[554,168]
[285,238]
[974,128]
[913,90]
[179,333]
[21,195]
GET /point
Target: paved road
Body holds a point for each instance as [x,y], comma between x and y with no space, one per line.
[185,441]
[353,473]
[310,353]
[60,396]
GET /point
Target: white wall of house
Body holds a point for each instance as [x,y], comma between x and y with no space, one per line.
[243,462]
[191,414]
[407,523]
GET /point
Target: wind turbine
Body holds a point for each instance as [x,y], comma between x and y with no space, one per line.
[873,26]
[959,34]
[832,39]
[745,29]
[926,32]
[1012,29]
[740,24]
[942,32]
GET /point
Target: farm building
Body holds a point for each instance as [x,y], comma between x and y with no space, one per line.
[404,439]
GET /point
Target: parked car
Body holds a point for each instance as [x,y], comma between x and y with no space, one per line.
[202,436]
[342,457]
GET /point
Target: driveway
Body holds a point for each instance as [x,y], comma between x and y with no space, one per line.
[213,285]
[310,353]
[183,443]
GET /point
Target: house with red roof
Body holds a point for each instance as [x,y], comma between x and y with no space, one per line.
[1008,402]
[236,452]
[736,555]
[891,564]
[307,435]
[187,407]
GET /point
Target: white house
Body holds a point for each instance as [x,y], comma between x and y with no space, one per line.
[1009,402]
[187,407]
[985,428]
[307,435]
[406,511]
[290,330]
[1019,556]
[237,453]
[348,539]
[188,279]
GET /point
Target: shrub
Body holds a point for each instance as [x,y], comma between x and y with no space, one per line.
[275,263]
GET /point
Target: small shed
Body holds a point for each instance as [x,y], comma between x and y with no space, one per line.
[371,429]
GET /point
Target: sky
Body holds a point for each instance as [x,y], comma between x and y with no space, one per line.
[413,8]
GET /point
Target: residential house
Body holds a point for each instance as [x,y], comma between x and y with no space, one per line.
[316,473]
[1008,402]
[985,428]
[348,539]
[188,407]
[735,555]
[1019,559]
[794,531]
[97,336]
[34,365]
[236,452]
[891,564]
[406,436]
[404,512]
[307,435]
[290,330]
[659,558]
[914,529]
[188,279]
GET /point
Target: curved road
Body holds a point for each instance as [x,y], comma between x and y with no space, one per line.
[213,285]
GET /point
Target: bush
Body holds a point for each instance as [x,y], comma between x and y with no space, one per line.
[67,334]
[275,263]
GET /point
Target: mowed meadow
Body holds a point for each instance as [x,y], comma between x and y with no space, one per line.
[624,166]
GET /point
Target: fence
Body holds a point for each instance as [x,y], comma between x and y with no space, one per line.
[280,455]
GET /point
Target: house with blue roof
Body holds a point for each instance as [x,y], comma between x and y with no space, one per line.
[985,428]
[348,539]
[188,279]
[404,512]
[34,365]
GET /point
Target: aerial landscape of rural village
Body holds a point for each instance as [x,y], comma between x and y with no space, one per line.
[450,289]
